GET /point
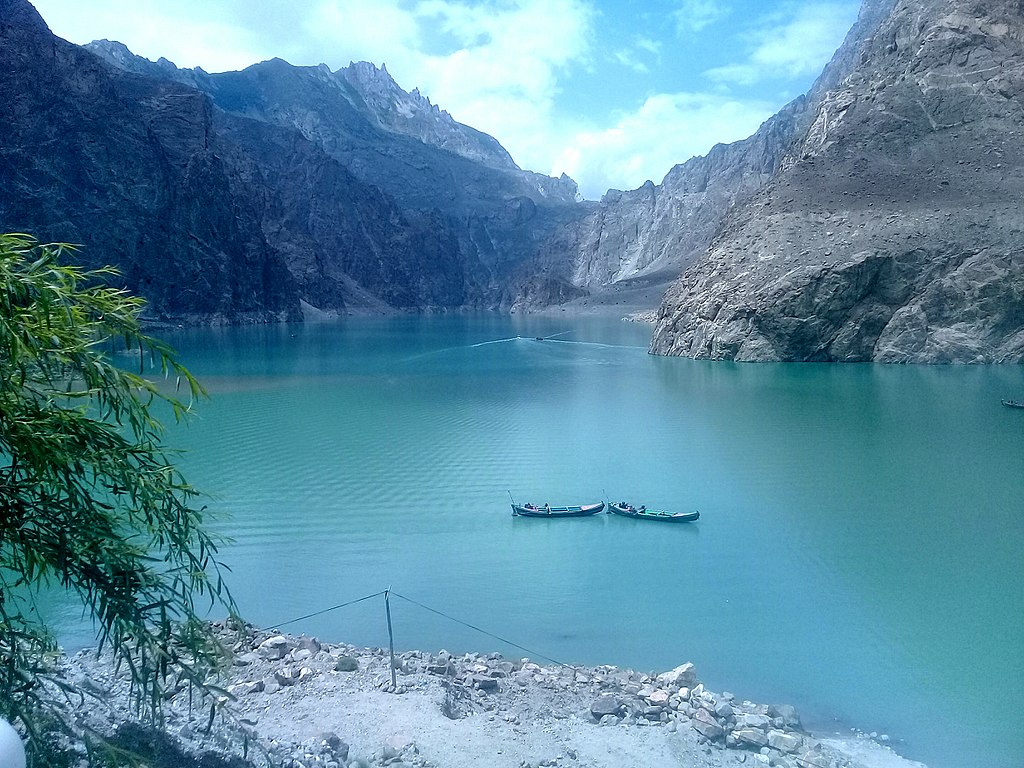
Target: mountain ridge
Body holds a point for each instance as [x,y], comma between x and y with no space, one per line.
[363,83]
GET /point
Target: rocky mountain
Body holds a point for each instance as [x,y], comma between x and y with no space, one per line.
[446,177]
[263,194]
[890,227]
[370,91]
[651,234]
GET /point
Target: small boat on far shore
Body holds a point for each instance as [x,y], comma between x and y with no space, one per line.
[1012,404]
[532,510]
[628,510]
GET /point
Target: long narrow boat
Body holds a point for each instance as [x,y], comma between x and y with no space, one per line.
[628,510]
[532,510]
[1012,404]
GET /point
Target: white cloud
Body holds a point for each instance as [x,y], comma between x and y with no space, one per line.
[665,130]
[356,30]
[504,77]
[634,56]
[694,15]
[653,47]
[793,43]
[513,49]
[151,30]
[627,58]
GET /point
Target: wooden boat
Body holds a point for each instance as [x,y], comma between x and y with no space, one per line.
[1012,404]
[532,510]
[628,510]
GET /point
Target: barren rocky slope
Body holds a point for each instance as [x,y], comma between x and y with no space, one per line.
[647,236]
[892,230]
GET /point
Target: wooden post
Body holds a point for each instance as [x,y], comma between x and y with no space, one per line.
[391,638]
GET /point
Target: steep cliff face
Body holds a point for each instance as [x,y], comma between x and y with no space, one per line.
[132,170]
[891,230]
[656,231]
[413,115]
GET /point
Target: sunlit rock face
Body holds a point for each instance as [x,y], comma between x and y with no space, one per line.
[892,229]
[655,232]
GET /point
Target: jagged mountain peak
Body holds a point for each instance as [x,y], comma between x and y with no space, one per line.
[249,195]
[411,113]
[363,85]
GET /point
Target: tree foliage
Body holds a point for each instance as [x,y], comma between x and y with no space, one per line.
[90,500]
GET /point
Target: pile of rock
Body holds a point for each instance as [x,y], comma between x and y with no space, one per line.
[275,673]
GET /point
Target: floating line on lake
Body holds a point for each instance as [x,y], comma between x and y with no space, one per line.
[550,339]
[492,341]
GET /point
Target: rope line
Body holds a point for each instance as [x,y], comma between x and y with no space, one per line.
[478,629]
[328,610]
[442,614]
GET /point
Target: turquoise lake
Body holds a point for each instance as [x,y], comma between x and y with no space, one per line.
[859,552]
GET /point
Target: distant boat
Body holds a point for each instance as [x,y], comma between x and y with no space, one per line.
[1012,404]
[628,510]
[532,510]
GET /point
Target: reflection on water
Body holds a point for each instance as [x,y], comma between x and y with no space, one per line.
[857,553]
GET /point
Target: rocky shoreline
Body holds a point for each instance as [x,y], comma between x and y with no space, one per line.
[296,702]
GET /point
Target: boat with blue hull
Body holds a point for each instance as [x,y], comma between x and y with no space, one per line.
[532,510]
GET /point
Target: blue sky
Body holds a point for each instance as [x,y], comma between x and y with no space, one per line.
[609,91]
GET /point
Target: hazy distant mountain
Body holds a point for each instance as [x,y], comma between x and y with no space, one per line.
[890,229]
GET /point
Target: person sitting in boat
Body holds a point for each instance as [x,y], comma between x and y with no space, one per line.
[643,508]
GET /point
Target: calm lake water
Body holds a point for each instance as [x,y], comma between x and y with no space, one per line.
[860,552]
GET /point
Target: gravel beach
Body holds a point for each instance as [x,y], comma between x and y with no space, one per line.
[301,703]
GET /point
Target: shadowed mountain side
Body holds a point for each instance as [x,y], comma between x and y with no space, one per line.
[210,216]
[445,177]
[278,189]
[892,230]
[130,169]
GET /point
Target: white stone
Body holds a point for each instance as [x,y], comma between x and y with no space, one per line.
[12,751]
[761,722]
[274,648]
[784,742]
[683,675]
[752,736]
